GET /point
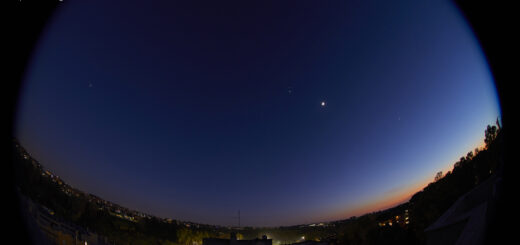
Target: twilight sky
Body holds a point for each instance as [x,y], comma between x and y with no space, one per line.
[193,111]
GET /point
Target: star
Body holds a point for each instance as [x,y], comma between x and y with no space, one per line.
[323,104]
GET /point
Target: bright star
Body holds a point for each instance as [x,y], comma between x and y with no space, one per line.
[323,104]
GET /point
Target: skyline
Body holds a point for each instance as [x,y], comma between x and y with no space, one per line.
[229,113]
[395,200]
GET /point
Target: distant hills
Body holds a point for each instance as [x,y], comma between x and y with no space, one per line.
[404,223]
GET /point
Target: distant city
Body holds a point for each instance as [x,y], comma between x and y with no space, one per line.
[112,208]
[65,215]
[121,212]
[64,232]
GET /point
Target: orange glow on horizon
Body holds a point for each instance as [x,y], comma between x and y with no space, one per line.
[380,203]
[393,199]
[387,201]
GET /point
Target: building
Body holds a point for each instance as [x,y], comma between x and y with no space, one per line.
[402,220]
[235,241]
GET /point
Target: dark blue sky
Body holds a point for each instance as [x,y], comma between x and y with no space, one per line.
[194,111]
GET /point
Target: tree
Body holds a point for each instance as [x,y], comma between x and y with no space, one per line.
[184,236]
[490,135]
[189,237]
[469,156]
[438,176]
[457,164]
[461,162]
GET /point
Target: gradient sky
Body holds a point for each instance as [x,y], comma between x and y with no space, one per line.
[193,111]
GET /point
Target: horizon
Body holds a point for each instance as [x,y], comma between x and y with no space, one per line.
[395,200]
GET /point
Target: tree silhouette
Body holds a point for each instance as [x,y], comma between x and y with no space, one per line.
[438,176]
[490,134]
[424,208]
[469,156]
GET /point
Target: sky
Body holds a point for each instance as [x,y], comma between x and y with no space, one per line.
[292,112]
